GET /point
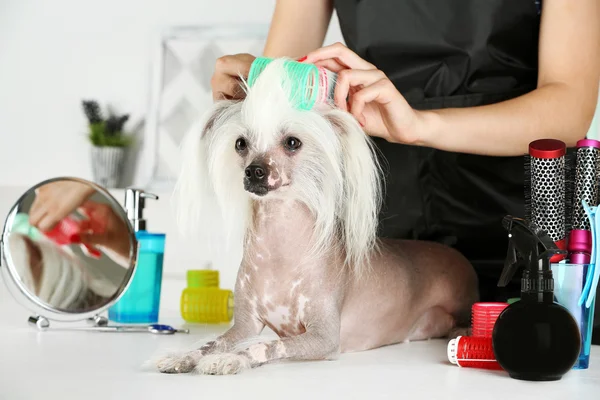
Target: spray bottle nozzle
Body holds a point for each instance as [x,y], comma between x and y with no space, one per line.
[529,241]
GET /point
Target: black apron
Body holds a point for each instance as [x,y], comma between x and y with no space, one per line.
[441,54]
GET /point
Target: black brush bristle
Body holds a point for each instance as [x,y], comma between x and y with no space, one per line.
[570,177]
[527,186]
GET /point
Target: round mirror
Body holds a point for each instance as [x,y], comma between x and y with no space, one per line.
[68,249]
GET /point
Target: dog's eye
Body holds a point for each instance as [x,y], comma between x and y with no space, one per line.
[240,144]
[292,143]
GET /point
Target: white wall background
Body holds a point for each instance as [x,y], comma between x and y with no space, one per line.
[54,53]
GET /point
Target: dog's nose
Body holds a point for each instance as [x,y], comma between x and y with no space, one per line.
[255,172]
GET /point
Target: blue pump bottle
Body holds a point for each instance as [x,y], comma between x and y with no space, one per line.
[141,301]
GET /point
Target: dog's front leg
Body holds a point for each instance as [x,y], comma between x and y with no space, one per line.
[321,341]
[186,362]
[246,325]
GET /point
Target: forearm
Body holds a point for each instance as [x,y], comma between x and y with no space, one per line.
[298,27]
[506,129]
[563,105]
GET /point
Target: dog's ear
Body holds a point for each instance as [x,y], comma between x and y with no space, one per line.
[362,190]
[193,194]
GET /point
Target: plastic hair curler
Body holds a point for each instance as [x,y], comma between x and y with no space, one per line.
[309,84]
[472,352]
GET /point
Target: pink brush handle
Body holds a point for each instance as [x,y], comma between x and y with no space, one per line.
[580,246]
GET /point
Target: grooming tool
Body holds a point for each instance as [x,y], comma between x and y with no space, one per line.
[484,316]
[586,190]
[310,84]
[203,301]
[21,225]
[545,197]
[521,347]
[593,274]
[202,278]
[472,352]
[157,329]
[207,305]
[68,231]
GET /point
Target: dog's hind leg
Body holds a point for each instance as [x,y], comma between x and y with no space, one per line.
[434,323]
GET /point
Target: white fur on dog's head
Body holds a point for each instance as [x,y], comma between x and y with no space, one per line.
[335,172]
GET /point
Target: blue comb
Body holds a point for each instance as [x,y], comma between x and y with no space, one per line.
[593,273]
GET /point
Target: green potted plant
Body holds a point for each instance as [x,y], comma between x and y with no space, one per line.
[109,144]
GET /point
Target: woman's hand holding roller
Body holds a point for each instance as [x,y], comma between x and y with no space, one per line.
[106,229]
[225,81]
[55,200]
[369,95]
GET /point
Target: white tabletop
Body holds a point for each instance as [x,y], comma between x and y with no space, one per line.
[90,365]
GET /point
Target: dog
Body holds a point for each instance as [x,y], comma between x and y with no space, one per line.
[302,190]
[56,276]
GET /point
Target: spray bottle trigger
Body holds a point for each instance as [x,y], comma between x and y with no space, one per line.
[510,265]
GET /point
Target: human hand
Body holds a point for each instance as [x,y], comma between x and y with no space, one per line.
[105,228]
[225,81]
[55,200]
[369,95]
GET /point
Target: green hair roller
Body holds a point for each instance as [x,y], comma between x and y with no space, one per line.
[309,84]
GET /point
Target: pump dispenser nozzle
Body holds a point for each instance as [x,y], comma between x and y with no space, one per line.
[134,205]
[535,338]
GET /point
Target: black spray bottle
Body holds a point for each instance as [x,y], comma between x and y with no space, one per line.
[534,339]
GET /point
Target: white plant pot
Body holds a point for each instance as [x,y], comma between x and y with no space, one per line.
[107,165]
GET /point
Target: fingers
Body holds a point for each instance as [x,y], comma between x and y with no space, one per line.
[37,212]
[381,92]
[341,54]
[48,222]
[226,87]
[45,215]
[331,65]
[225,82]
[98,216]
[353,80]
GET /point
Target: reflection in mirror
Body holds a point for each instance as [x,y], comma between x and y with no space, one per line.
[69,246]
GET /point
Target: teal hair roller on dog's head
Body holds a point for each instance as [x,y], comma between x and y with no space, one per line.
[309,84]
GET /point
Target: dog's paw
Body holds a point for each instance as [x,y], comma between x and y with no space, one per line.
[178,364]
[222,364]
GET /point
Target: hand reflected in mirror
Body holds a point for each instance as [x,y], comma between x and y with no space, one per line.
[56,200]
[106,230]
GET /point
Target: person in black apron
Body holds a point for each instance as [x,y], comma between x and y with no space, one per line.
[455,198]
[442,54]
